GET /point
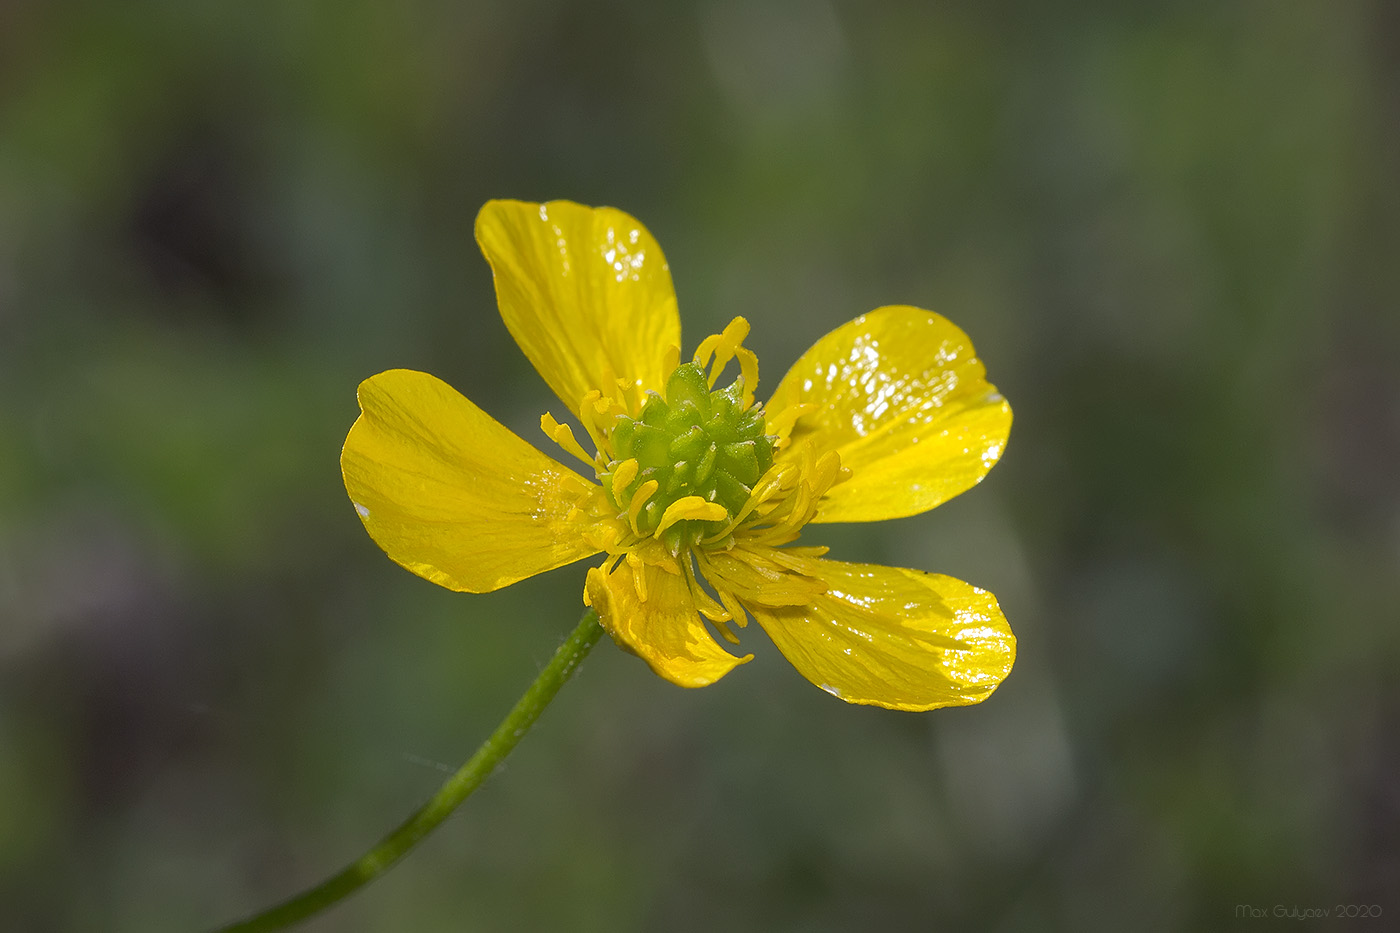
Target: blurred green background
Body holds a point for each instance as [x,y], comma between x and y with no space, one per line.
[1172,231]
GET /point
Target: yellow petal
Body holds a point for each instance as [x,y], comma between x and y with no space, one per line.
[584,291]
[453,495]
[891,637]
[900,395]
[664,629]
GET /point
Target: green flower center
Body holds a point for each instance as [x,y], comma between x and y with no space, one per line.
[693,442]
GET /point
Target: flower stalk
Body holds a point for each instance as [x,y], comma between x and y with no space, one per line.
[458,788]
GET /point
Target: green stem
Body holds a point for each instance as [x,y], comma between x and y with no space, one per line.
[458,787]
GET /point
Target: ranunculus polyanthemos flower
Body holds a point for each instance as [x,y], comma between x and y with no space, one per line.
[886,416]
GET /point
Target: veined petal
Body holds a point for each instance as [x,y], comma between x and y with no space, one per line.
[900,396]
[584,291]
[891,637]
[452,494]
[663,629]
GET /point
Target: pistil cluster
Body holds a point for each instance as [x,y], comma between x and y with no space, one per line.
[694,442]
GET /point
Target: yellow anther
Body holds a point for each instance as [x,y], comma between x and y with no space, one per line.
[597,413]
[604,535]
[801,507]
[639,499]
[627,395]
[780,423]
[607,378]
[796,559]
[607,405]
[563,435]
[639,577]
[825,472]
[712,611]
[724,630]
[690,507]
[736,611]
[588,416]
[765,568]
[748,368]
[769,485]
[722,347]
[623,474]
[704,352]
[671,359]
[704,603]
[735,331]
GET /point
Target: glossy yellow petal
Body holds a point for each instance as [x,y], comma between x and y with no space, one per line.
[584,291]
[900,395]
[453,495]
[891,637]
[663,629]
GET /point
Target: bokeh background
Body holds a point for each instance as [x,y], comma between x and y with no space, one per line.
[1173,231]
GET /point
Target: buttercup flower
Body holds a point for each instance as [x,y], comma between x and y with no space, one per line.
[696,493]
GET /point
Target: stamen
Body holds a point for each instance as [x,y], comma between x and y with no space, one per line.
[828,472]
[725,631]
[563,435]
[736,611]
[587,416]
[801,503]
[606,535]
[667,563]
[722,346]
[639,499]
[639,577]
[748,371]
[598,414]
[769,486]
[808,455]
[690,507]
[611,385]
[781,423]
[624,473]
[706,606]
[627,394]
[794,559]
[763,568]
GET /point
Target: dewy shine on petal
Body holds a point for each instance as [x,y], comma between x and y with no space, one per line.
[690,486]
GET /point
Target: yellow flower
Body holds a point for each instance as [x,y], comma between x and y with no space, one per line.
[886,416]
